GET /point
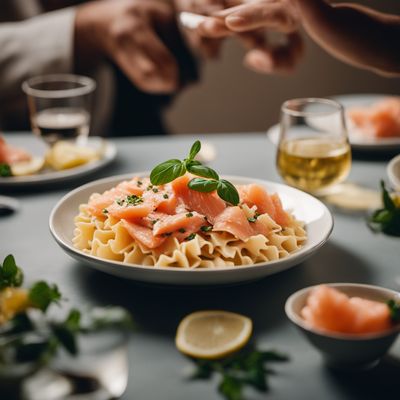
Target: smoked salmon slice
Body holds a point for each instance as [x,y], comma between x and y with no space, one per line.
[162,197]
[381,120]
[97,204]
[329,309]
[143,235]
[10,154]
[207,204]
[180,225]
[256,195]
[234,221]
[124,208]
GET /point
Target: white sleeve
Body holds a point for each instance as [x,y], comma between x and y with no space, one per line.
[39,45]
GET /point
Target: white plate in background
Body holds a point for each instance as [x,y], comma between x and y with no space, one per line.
[318,223]
[357,140]
[37,147]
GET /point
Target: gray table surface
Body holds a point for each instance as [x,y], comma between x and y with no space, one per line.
[352,254]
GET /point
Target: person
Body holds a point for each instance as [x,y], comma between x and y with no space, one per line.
[355,34]
[132,48]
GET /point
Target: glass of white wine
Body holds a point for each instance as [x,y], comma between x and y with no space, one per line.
[60,106]
[313,153]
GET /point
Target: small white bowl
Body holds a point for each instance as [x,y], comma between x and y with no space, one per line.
[393,171]
[345,350]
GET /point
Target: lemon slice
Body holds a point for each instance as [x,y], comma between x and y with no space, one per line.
[35,164]
[212,334]
[65,155]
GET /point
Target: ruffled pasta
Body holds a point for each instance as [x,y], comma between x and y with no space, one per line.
[106,237]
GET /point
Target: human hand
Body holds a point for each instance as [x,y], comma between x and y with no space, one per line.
[251,18]
[207,45]
[125,31]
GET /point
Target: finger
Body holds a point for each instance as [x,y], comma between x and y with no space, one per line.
[280,60]
[142,69]
[276,16]
[206,47]
[213,28]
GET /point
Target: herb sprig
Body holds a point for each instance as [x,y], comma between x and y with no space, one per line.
[170,170]
[5,170]
[246,368]
[34,336]
[386,219]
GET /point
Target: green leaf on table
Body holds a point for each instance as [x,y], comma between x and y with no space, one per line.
[5,170]
[228,192]
[167,172]
[42,295]
[10,274]
[203,185]
[194,150]
[201,170]
[387,219]
[73,320]
[386,198]
[248,367]
[231,388]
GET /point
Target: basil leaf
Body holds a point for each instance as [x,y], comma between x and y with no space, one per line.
[203,185]
[231,388]
[202,170]
[42,295]
[194,149]
[387,200]
[228,192]
[167,172]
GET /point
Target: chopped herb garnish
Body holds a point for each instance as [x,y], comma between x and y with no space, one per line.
[173,169]
[394,310]
[105,211]
[139,183]
[133,200]
[190,237]
[182,230]
[154,221]
[252,219]
[386,219]
[5,170]
[165,195]
[120,202]
[155,190]
[206,228]
[248,367]
[166,234]
[149,187]
[189,214]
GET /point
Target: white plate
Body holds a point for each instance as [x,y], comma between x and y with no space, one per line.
[318,219]
[36,146]
[393,171]
[357,140]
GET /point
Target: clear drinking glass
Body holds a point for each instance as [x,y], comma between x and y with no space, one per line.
[60,106]
[313,153]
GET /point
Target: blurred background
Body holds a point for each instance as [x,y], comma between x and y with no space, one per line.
[230,98]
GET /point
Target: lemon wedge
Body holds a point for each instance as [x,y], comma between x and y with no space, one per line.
[12,302]
[213,334]
[21,168]
[65,155]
